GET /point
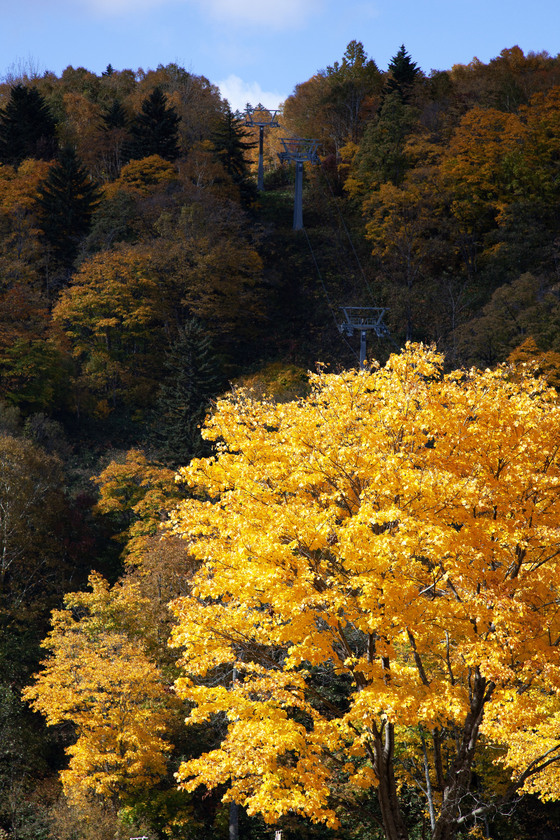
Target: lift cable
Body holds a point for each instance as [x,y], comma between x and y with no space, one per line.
[331,307]
[356,319]
[344,225]
[373,322]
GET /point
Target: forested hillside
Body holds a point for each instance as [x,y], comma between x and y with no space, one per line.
[142,277]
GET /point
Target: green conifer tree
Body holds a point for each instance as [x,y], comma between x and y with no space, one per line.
[115,116]
[191,379]
[403,72]
[154,131]
[231,146]
[116,137]
[27,129]
[66,200]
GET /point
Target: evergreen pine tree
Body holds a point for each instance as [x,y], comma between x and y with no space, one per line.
[403,72]
[116,137]
[27,129]
[66,200]
[115,116]
[154,130]
[191,379]
[231,147]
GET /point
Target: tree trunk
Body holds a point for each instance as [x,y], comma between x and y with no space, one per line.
[233,821]
[383,748]
[459,777]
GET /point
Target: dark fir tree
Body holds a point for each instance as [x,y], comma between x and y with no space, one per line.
[116,138]
[155,130]
[27,129]
[402,73]
[191,380]
[66,200]
[231,146]
[115,116]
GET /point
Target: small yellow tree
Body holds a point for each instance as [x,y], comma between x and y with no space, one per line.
[100,678]
[395,532]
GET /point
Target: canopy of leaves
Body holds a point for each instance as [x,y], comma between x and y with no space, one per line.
[396,530]
[99,677]
[31,508]
[108,314]
[334,105]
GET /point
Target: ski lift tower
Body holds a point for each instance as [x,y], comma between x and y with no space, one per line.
[362,319]
[299,151]
[264,118]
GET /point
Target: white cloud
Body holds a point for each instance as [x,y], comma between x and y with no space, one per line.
[276,15]
[238,93]
[122,7]
[258,12]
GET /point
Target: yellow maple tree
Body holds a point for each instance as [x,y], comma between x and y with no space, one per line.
[394,534]
[108,318]
[100,678]
[138,490]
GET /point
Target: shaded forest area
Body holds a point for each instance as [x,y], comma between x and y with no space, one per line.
[141,273]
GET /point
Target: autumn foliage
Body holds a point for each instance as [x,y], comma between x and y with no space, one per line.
[397,532]
[364,573]
[100,678]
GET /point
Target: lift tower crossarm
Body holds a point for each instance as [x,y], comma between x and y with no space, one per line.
[361,319]
[299,150]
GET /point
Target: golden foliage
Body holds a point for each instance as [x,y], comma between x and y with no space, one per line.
[142,492]
[143,177]
[108,315]
[545,364]
[276,381]
[397,529]
[100,678]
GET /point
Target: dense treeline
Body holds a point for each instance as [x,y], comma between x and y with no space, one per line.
[140,274]
[455,176]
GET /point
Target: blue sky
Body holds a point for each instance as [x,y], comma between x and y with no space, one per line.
[260,49]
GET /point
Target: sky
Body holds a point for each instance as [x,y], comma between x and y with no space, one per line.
[259,50]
